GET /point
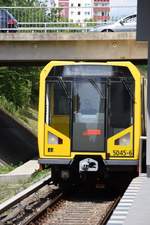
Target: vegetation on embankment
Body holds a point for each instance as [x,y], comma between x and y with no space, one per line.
[143,69]
[19,93]
[8,190]
[6,168]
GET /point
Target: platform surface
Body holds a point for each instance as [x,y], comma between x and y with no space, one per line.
[134,207]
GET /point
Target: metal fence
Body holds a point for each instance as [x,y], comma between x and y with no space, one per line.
[56,19]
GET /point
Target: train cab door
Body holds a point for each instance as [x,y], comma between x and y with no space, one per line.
[120,119]
[58,118]
[89,116]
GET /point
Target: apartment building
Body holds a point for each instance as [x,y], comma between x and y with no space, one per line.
[84,10]
[80,10]
[101,10]
[64,5]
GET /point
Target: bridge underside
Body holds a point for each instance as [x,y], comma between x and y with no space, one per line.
[41,48]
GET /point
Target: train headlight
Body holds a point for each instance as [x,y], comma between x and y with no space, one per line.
[125,140]
[52,139]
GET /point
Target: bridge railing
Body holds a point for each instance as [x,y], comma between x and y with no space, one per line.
[61,19]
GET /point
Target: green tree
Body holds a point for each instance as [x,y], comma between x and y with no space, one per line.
[19,85]
[20,3]
[54,15]
[5,3]
[26,14]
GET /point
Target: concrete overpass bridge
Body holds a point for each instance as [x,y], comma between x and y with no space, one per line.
[43,47]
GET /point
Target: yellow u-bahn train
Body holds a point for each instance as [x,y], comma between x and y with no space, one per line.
[89,119]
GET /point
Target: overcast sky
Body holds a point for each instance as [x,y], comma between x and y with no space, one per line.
[123,2]
[126,7]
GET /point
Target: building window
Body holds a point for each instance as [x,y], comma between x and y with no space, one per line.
[87,13]
[100,4]
[71,4]
[79,13]
[87,4]
[79,4]
[98,13]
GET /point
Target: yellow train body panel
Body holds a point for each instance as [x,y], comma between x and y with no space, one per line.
[64,149]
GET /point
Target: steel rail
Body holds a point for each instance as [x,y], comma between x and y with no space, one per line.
[108,214]
[24,194]
[45,207]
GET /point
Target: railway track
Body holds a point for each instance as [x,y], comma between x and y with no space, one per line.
[78,209]
[44,204]
[25,206]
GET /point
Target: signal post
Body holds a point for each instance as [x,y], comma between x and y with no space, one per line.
[143,34]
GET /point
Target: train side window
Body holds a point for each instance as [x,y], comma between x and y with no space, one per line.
[62,103]
[120,108]
[58,106]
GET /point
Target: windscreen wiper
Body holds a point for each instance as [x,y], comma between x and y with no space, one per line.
[63,85]
[96,87]
[128,89]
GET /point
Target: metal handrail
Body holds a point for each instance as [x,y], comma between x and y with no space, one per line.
[72,7]
[36,17]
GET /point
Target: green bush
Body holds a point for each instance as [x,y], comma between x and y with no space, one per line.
[6,105]
[18,87]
